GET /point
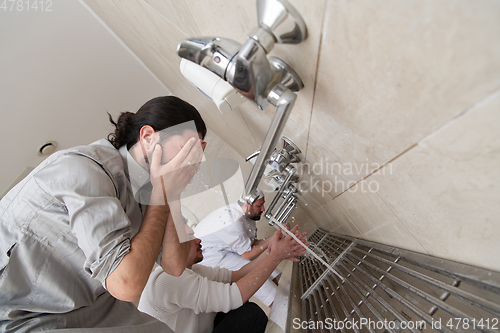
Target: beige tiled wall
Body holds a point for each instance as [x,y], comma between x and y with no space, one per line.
[398,120]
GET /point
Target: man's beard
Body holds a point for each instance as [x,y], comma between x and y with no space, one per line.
[199,258]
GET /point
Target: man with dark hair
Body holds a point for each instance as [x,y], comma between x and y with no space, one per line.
[77,240]
[229,240]
[190,302]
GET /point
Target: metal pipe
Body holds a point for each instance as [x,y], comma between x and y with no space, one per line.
[315,268]
[332,305]
[406,277]
[452,311]
[285,99]
[314,296]
[397,296]
[369,290]
[344,309]
[353,305]
[321,240]
[483,303]
[318,281]
[288,204]
[290,296]
[290,173]
[271,206]
[323,304]
[375,295]
[480,278]
[356,288]
[290,210]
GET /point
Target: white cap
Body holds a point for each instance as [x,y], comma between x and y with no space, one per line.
[260,195]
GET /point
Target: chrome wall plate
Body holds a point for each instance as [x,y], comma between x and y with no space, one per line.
[289,78]
[282,20]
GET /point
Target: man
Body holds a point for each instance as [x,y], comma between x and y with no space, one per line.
[189,303]
[234,243]
[76,246]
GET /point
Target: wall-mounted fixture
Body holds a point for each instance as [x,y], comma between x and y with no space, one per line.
[247,68]
[282,176]
[225,97]
[47,148]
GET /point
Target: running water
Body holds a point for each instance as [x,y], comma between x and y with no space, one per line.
[278,225]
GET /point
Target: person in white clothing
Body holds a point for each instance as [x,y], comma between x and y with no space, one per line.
[229,240]
[190,302]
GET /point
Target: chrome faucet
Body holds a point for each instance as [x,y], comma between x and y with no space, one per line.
[247,68]
[284,178]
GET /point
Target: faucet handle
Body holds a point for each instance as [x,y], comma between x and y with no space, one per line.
[214,53]
[292,149]
[289,78]
[282,20]
[252,155]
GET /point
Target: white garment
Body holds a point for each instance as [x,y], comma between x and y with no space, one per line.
[225,235]
[189,303]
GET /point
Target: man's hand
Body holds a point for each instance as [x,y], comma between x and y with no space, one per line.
[252,276]
[170,179]
[286,247]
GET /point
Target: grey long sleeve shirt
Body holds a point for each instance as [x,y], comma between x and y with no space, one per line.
[63,230]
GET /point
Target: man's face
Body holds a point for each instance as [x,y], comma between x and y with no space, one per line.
[255,211]
[195,253]
[174,144]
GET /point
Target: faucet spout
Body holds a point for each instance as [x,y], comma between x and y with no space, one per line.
[213,53]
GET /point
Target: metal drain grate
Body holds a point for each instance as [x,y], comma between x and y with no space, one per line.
[388,289]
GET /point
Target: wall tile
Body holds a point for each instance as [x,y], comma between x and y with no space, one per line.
[303,219]
[322,218]
[392,72]
[177,12]
[303,57]
[258,122]
[446,191]
[336,175]
[373,219]
[224,18]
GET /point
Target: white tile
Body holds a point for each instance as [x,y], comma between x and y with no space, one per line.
[392,72]
[259,121]
[177,12]
[232,19]
[279,311]
[362,206]
[303,219]
[446,191]
[338,220]
[335,175]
